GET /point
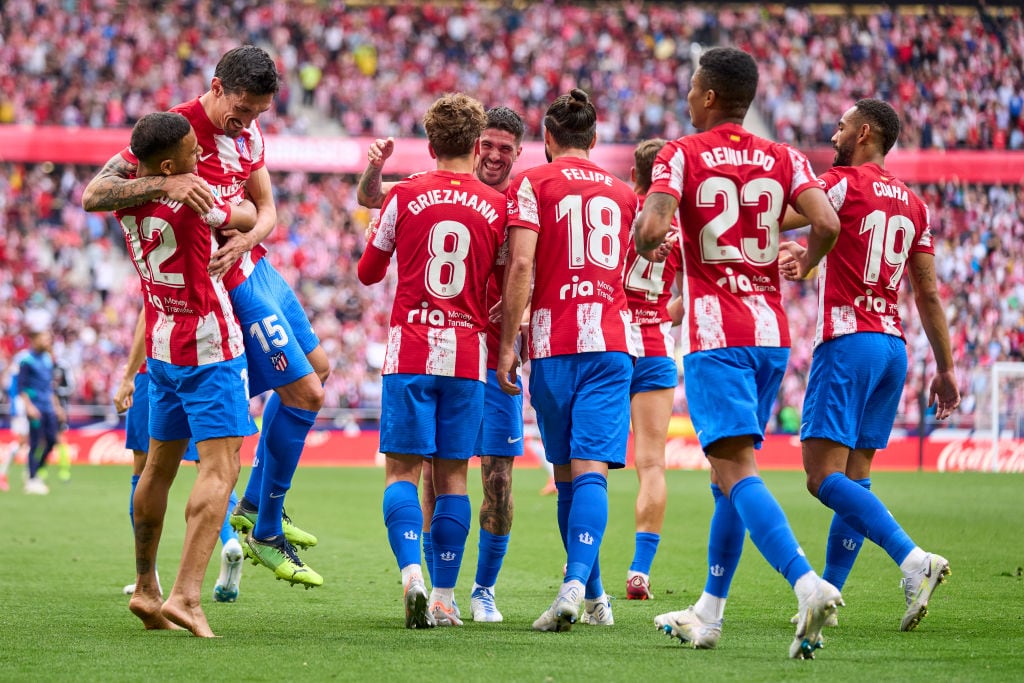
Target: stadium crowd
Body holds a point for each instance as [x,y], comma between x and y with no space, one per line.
[955,75]
[60,264]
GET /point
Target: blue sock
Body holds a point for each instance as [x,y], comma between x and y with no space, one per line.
[863,511]
[449,529]
[769,528]
[255,483]
[564,489]
[404,519]
[428,554]
[594,588]
[226,532]
[490,554]
[586,524]
[844,544]
[131,501]
[645,546]
[286,437]
[725,545]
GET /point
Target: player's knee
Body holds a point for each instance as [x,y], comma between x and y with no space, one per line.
[305,394]
[497,482]
[814,479]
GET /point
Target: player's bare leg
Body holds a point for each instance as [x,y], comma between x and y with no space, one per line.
[204,514]
[497,506]
[651,412]
[150,506]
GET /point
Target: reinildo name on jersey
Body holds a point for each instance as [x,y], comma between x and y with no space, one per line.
[435,317]
[737,157]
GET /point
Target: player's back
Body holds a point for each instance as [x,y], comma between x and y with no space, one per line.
[189,319]
[733,188]
[883,223]
[648,286]
[583,217]
[445,229]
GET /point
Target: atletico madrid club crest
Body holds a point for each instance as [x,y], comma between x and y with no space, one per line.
[279,361]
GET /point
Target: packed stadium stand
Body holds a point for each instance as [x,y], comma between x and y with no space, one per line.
[955,75]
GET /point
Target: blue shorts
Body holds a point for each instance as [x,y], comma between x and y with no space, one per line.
[430,415]
[652,373]
[854,389]
[277,332]
[136,421]
[198,402]
[501,432]
[582,404]
[731,391]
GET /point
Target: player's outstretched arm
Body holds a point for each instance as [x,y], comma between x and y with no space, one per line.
[813,204]
[944,393]
[654,221]
[114,188]
[371,190]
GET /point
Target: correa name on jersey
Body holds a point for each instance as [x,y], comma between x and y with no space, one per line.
[446,196]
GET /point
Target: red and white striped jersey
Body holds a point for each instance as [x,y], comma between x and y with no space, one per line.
[446,229]
[225,163]
[189,319]
[883,222]
[583,218]
[648,291]
[733,188]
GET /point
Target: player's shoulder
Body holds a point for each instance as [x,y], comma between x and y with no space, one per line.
[189,109]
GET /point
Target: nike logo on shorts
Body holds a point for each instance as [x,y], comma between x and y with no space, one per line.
[511,440]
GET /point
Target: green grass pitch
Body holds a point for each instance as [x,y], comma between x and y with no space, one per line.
[67,555]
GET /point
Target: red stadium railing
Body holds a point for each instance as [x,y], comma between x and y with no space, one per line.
[92,146]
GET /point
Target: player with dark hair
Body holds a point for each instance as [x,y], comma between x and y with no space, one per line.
[729,189]
[445,227]
[655,376]
[195,358]
[283,351]
[859,366]
[501,436]
[568,230]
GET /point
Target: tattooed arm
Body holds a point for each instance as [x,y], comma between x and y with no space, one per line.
[943,393]
[115,188]
[371,191]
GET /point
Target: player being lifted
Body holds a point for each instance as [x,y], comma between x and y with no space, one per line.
[859,366]
[501,436]
[196,363]
[445,228]
[568,228]
[283,351]
[730,189]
